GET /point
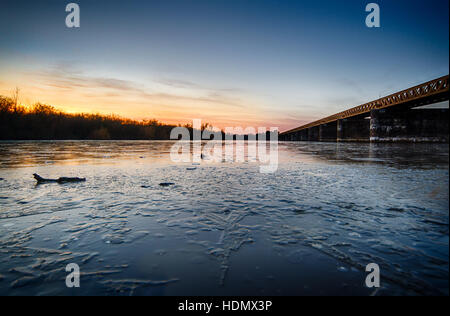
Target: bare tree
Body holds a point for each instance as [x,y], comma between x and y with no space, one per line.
[15,97]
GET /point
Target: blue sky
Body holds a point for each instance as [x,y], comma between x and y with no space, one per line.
[229,62]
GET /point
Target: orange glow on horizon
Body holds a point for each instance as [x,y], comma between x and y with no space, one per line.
[165,109]
[74,93]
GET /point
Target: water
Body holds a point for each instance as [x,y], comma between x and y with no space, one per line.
[224,228]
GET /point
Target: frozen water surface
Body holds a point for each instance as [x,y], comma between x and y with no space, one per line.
[224,228]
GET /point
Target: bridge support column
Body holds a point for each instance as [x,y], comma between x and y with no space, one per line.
[339,130]
[328,132]
[313,134]
[353,129]
[294,136]
[304,135]
[409,125]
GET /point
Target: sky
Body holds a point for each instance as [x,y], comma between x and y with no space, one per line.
[258,63]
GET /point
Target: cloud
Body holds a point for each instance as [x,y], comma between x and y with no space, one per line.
[185,84]
[176,83]
[64,77]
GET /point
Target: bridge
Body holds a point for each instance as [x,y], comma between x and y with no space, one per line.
[399,117]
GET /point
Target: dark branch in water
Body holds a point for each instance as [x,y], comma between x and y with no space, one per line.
[61,180]
[166,184]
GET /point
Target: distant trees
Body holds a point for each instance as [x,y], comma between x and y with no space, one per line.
[42,121]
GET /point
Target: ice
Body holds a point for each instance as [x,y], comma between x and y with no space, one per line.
[325,214]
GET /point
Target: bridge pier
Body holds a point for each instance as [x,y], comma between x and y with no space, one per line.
[304,135]
[353,129]
[294,137]
[313,134]
[328,132]
[409,125]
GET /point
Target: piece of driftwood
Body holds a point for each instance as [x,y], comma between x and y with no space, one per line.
[166,184]
[39,179]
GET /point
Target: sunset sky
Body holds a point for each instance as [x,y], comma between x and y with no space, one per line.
[227,62]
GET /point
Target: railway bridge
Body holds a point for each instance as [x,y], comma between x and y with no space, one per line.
[399,117]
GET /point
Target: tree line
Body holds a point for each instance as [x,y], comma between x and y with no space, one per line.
[44,122]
